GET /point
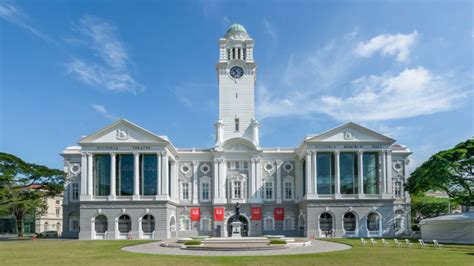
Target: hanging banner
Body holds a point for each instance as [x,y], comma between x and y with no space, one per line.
[279,214]
[218,214]
[256,214]
[195,214]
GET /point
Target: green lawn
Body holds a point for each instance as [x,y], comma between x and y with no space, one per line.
[58,252]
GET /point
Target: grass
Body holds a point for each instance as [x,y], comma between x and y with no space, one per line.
[74,252]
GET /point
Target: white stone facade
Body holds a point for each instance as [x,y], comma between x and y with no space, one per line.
[126,182]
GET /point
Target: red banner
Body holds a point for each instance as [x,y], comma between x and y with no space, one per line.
[279,214]
[218,214]
[195,214]
[256,214]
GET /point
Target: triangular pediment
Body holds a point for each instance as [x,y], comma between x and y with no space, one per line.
[123,131]
[351,132]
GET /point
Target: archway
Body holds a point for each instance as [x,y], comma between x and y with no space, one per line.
[244,229]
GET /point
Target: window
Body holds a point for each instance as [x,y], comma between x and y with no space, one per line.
[288,188]
[238,166]
[102,175]
[149,167]
[205,224]
[237,190]
[124,224]
[184,223]
[289,223]
[73,222]
[228,54]
[325,222]
[205,191]
[58,212]
[349,172]
[268,223]
[185,191]
[100,224]
[398,223]
[268,190]
[125,175]
[350,222]
[373,222]
[46,226]
[325,170]
[75,191]
[172,224]
[371,173]
[57,201]
[148,223]
[398,189]
[236,124]
[399,212]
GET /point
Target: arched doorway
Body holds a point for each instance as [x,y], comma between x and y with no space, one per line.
[244,229]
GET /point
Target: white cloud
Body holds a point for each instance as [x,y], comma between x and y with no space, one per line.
[112,71]
[398,45]
[270,30]
[103,111]
[16,16]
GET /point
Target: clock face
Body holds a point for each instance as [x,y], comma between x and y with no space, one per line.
[236,72]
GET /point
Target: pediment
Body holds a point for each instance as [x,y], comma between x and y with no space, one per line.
[351,132]
[123,131]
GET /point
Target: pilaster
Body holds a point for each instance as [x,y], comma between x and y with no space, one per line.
[90,175]
[83,176]
[195,182]
[136,175]
[360,174]
[278,182]
[338,174]
[112,176]
[308,173]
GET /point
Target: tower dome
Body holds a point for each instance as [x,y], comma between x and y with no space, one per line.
[236,30]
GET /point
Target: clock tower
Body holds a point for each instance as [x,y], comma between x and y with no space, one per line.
[236,79]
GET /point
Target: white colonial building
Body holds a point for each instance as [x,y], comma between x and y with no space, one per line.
[127,182]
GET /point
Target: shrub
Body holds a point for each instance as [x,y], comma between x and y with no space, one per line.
[192,243]
[277,242]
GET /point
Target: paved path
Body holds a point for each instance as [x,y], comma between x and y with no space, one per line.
[315,247]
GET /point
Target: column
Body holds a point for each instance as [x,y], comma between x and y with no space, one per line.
[83,174]
[251,179]
[382,172]
[338,174]
[174,193]
[258,177]
[298,179]
[195,182]
[136,175]
[360,160]
[164,173]
[315,172]
[278,181]
[389,172]
[90,174]
[158,173]
[112,176]
[216,179]
[308,173]
[222,178]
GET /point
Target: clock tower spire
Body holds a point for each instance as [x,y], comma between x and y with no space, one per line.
[236,72]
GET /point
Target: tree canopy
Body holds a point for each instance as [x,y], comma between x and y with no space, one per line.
[24,187]
[450,171]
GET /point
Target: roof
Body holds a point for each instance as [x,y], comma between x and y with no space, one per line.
[236,30]
[466,217]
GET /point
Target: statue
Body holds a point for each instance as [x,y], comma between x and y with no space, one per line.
[237,212]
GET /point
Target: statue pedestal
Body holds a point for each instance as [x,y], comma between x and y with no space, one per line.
[236,229]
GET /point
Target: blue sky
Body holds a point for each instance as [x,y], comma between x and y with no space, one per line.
[69,68]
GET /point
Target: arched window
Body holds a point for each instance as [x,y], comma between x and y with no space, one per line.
[148,223]
[325,222]
[301,222]
[172,224]
[399,212]
[124,224]
[398,223]
[289,223]
[350,222]
[373,222]
[100,224]
[268,223]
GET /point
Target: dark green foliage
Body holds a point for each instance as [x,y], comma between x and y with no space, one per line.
[428,207]
[25,186]
[192,243]
[450,171]
[277,242]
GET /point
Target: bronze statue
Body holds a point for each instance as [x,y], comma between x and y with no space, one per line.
[237,212]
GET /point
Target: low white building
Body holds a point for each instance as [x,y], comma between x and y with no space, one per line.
[127,182]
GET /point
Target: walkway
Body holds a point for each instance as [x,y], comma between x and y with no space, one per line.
[316,246]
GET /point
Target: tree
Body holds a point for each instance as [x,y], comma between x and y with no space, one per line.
[428,207]
[24,187]
[450,171]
